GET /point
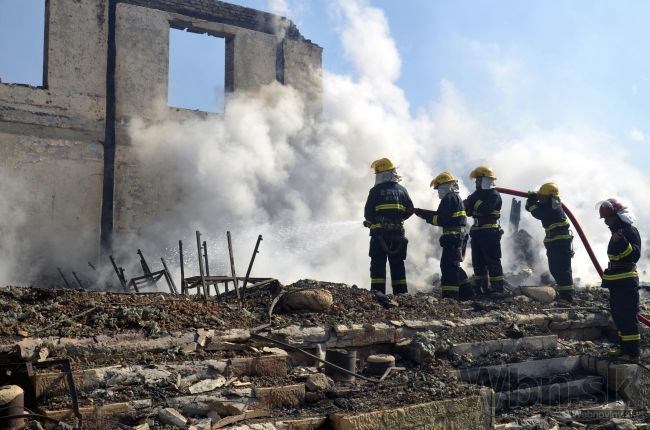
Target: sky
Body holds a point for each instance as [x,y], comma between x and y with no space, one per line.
[555,64]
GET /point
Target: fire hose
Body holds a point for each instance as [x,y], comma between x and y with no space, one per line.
[580,232]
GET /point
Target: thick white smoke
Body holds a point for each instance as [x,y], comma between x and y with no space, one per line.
[267,167]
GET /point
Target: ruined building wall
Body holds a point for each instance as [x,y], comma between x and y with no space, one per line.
[51,138]
[107,63]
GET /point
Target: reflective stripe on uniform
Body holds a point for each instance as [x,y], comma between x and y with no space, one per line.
[389,206]
[485,226]
[399,282]
[558,237]
[445,231]
[434,220]
[532,208]
[631,337]
[616,257]
[496,278]
[458,214]
[377,280]
[375,226]
[477,204]
[454,288]
[566,287]
[619,276]
[496,213]
[564,223]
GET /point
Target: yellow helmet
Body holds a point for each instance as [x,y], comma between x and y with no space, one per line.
[482,171]
[382,165]
[443,178]
[549,189]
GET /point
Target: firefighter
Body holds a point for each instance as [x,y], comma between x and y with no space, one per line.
[452,218]
[545,205]
[621,277]
[484,205]
[385,212]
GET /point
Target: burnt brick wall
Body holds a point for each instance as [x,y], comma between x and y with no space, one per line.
[226,13]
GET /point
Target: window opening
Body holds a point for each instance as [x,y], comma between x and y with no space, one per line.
[197,69]
[22,42]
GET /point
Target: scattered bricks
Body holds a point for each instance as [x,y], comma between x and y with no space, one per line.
[302,336]
[204,424]
[474,412]
[269,365]
[131,409]
[318,382]
[172,417]
[359,335]
[207,385]
[228,407]
[275,397]
[234,339]
[533,343]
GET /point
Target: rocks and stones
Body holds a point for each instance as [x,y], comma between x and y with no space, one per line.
[543,294]
[172,417]
[308,300]
[318,382]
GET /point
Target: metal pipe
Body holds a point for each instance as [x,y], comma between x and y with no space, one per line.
[582,235]
[250,265]
[232,266]
[64,280]
[207,264]
[201,272]
[78,280]
[180,256]
[170,281]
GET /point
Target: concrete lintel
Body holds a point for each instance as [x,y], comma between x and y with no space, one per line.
[525,369]
[533,343]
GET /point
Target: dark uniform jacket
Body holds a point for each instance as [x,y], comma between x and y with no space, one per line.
[450,216]
[385,209]
[485,207]
[623,255]
[554,220]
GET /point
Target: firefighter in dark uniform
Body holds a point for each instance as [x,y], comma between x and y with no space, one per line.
[387,207]
[452,218]
[484,205]
[545,205]
[621,277]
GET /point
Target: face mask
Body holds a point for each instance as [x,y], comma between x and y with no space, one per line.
[555,202]
[388,176]
[626,217]
[445,189]
[486,183]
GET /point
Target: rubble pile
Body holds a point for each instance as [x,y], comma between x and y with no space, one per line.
[164,361]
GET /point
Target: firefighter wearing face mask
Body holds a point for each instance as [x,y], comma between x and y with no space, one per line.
[545,205]
[621,277]
[385,211]
[452,218]
[484,205]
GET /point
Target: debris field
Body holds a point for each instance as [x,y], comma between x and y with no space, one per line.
[163,361]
